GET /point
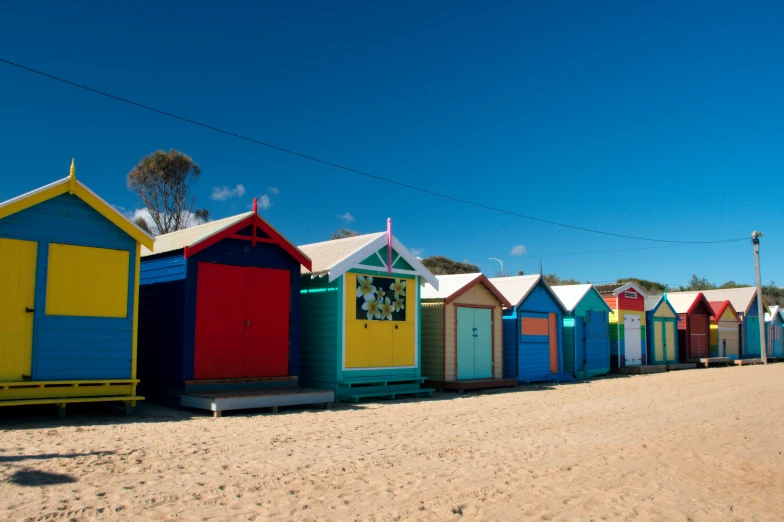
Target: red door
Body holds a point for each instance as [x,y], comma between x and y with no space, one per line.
[220,332]
[699,336]
[242,322]
[267,335]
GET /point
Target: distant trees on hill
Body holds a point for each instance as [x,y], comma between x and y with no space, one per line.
[440,265]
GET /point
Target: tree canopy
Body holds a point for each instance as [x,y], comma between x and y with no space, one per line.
[342,233]
[163,181]
[649,287]
[440,265]
[554,280]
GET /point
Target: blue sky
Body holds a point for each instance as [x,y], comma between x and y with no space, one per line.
[648,119]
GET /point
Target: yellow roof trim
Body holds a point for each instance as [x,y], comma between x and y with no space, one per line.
[47,192]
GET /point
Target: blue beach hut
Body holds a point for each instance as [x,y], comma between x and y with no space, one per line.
[533,333]
[775,323]
[586,331]
[69,279]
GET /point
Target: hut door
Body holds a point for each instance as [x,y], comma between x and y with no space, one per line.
[553,333]
[659,350]
[17,296]
[597,344]
[474,343]
[669,341]
[632,337]
[699,336]
[267,307]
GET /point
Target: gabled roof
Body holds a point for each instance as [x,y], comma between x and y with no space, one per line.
[774,310]
[571,295]
[192,240]
[616,288]
[719,307]
[741,298]
[338,256]
[517,288]
[71,185]
[686,302]
[653,302]
[450,287]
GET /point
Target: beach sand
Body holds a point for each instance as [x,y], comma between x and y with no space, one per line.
[689,445]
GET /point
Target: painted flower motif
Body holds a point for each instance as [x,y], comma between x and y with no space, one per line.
[398,287]
[386,309]
[399,304]
[365,287]
[371,306]
[380,293]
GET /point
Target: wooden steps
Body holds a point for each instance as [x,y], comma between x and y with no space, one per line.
[471,384]
[680,366]
[643,369]
[746,362]
[380,389]
[706,362]
[217,401]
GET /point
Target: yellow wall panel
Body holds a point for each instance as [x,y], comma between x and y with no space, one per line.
[664,311]
[87,281]
[379,343]
[17,293]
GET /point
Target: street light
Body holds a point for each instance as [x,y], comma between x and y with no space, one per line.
[502,264]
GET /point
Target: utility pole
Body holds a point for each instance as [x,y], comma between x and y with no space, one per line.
[755,239]
[502,265]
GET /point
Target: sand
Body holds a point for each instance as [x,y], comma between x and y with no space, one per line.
[689,445]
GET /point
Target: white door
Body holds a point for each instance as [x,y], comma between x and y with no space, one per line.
[632,340]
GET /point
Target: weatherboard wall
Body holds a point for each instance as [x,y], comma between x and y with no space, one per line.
[432,340]
[589,340]
[69,347]
[169,289]
[775,342]
[622,306]
[662,335]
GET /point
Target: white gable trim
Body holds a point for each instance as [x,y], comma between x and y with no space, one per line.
[355,259]
[628,286]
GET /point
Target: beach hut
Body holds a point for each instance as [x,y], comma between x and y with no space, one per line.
[533,330]
[360,318]
[725,330]
[219,317]
[627,324]
[662,324]
[586,331]
[744,301]
[775,342]
[68,298]
[462,333]
[694,327]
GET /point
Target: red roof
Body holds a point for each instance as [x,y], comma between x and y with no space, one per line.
[719,307]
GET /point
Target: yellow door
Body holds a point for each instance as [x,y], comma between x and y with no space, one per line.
[658,341]
[670,341]
[403,344]
[17,296]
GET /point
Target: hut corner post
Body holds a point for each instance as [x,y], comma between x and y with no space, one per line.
[755,239]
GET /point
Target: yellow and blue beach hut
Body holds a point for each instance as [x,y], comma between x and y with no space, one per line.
[69,280]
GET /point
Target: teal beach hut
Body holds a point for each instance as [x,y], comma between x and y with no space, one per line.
[774,320]
[586,331]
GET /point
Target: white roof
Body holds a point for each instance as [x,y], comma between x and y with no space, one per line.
[517,288]
[651,301]
[338,256]
[571,295]
[447,285]
[773,311]
[741,298]
[682,301]
[190,236]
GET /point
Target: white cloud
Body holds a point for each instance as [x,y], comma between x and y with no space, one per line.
[417,252]
[347,217]
[190,220]
[223,193]
[264,202]
[518,250]
[274,191]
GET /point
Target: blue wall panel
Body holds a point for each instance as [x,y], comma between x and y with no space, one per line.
[510,344]
[162,269]
[64,347]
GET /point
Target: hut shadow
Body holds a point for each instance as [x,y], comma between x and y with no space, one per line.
[36,478]
[4,459]
[87,414]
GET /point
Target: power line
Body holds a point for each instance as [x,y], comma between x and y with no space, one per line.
[349,169]
[595,251]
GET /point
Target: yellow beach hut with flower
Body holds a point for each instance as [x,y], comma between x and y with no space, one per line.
[360,318]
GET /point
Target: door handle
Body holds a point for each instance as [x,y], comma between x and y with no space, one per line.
[246,323]
[29,310]
[395,327]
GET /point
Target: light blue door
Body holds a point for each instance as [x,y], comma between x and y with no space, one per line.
[474,343]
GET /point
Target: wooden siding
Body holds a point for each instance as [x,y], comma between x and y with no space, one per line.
[617,337]
[611,301]
[509,325]
[569,343]
[664,311]
[533,358]
[635,305]
[66,347]
[319,335]
[432,340]
[476,295]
